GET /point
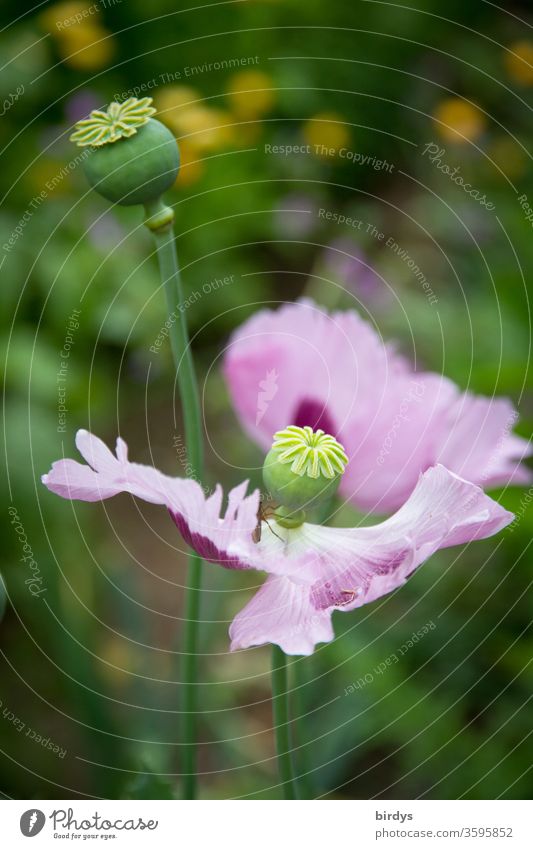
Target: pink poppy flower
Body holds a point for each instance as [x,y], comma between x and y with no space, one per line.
[312,570]
[303,366]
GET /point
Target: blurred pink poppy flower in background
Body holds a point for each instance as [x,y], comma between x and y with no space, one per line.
[312,570]
[347,264]
[334,372]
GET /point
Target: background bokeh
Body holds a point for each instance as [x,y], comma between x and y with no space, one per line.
[89,678]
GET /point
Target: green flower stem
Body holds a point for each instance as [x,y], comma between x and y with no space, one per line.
[190,674]
[299,709]
[281,720]
[160,221]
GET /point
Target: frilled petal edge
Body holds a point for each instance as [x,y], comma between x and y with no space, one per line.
[198,517]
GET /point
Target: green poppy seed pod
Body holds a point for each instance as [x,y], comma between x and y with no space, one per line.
[303,468]
[132,158]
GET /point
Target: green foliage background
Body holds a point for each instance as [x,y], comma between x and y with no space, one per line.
[92,663]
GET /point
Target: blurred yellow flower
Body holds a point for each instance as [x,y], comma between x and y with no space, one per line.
[191,168]
[509,156]
[326,129]
[251,94]
[61,16]
[206,128]
[173,97]
[199,128]
[519,62]
[49,175]
[458,121]
[81,41]
[86,47]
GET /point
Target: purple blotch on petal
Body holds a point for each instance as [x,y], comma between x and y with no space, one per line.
[204,546]
[314,414]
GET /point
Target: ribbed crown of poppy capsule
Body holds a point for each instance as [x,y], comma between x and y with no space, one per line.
[310,452]
[304,467]
[120,120]
[131,157]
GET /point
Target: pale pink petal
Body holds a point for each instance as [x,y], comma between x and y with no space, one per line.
[398,443]
[300,365]
[342,569]
[198,517]
[443,510]
[313,569]
[111,475]
[226,541]
[278,361]
[122,450]
[70,479]
[95,452]
[281,612]
[477,442]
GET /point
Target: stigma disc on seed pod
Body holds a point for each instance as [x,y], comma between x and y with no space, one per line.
[304,467]
[131,157]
